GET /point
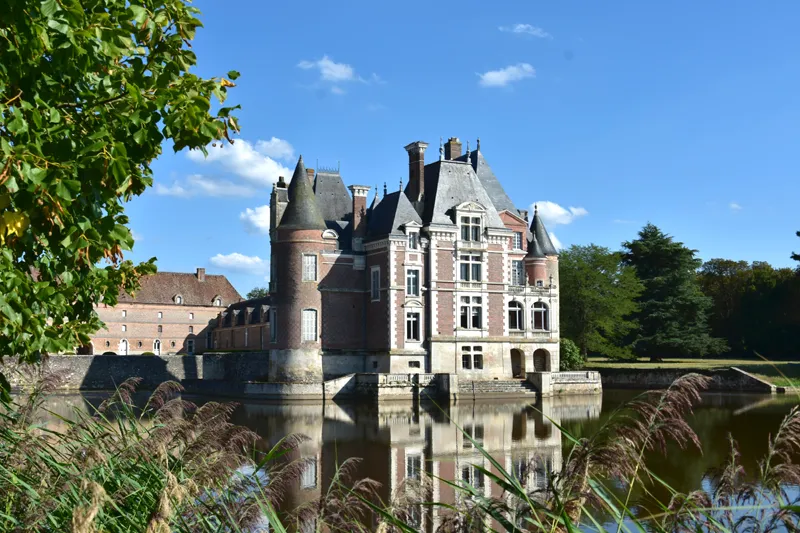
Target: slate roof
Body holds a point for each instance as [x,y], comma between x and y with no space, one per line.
[498,195]
[540,235]
[344,229]
[534,248]
[302,211]
[450,183]
[393,211]
[161,288]
[333,198]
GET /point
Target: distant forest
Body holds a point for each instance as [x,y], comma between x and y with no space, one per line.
[655,298]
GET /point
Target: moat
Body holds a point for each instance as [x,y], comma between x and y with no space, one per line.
[396,440]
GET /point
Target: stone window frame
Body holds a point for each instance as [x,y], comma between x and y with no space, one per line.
[471,260]
[216,301]
[160,314]
[474,227]
[472,357]
[375,289]
[409,312]
[157,346]
[160,329]
[517,273]
[124,327]
[516,240]
[306,322]
[471,305]
[124,313]
[415,465]
[178,299]
[191,316]
[543,310]
[519,310]
[306,274]
[308,477]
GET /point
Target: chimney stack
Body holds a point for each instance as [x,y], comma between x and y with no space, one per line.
[360,193]
[201,274]
[310,174]
[452,149]
[416,170]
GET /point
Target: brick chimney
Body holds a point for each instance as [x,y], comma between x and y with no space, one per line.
[201,274]
[416,170]
[452,148]
[360,193]
[310,174]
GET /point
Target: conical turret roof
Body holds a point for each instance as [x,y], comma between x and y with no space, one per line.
[534,248]
[302,211]
[539,235]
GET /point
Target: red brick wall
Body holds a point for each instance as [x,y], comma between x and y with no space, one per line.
[514,224]
[343,320]
[444,267]
[377,319]
[399,310]
[444,313]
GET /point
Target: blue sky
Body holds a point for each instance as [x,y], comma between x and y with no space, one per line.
[684,114]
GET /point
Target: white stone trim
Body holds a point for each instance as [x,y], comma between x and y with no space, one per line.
[392,296]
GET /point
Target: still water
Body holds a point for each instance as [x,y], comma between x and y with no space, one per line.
[401,439]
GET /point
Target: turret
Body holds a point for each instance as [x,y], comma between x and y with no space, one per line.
[542,258]
[297,248]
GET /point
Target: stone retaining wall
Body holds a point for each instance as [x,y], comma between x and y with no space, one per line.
[106,372]
[727,379]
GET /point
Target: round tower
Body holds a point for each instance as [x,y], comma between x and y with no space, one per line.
[297,246]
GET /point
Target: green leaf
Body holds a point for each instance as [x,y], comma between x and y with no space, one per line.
[49,8]
[58,25]
[55,116]
[233,74]
[139,14]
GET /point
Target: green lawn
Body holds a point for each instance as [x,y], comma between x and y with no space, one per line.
[781,373]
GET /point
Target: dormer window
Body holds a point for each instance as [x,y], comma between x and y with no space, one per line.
[471,229]
[217,301]
[413,241]
[178,299]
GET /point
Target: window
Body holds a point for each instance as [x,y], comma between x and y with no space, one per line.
[472,357]
[518,240]
[191,316]
[124,313]
[191,329]
[172,344]
[413,364]
[157,347]
[308,479]
[124,327]
[108,343]
[139,344]
[412,326]
[471,312]
[471,229]
[179,299]
[309,268]
[472,476]
[218,302]
[413,466]
[517,273]
[475,431]
[375,280]
[471,268]
[520,468]
[160,329]
[273,325]
[413,241]
[515,319]
[160,314]
[412,282]
[309,325]
[541,317]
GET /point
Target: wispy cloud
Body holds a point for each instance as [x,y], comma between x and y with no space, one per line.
[337,73]
[236,262]
[199,185]
[255,164]
[554,215]
[256,220]
[526,29]
[735,207]
[507,75]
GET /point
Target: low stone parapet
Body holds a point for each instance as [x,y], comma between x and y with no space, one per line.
[723,379]
[557,383]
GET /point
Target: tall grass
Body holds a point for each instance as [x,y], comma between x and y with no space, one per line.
[171,466]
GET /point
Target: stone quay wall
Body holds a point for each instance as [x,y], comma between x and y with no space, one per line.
[106,372]
[724,379]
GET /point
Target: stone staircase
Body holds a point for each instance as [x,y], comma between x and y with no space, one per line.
[497,387]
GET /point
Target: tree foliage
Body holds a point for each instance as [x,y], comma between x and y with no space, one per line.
[90,90]
[570,356]
[598,297]
[673,311]
[795,256]
[755,306]
[257,292]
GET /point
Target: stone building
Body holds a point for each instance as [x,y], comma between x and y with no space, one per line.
[443,276]
[171,313]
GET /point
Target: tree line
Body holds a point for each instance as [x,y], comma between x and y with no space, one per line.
[655,298]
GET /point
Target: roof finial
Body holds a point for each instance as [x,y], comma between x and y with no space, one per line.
[535,209]
[401,184]
[478,148]
[441,150]
[384,189]
[469,160]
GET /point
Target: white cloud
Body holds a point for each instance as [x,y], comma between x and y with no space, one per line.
[735,207]
[555,241]
[526,29]
[337,90]
[246,161]
[333,72]
[199,185]
[276,149]
[504,76]
[237,262]
[256,220]
[554,215]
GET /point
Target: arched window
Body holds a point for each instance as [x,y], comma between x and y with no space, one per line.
[179,299]
[309,325]
[157,347]
[541,317]
[217,302]
[515,316]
